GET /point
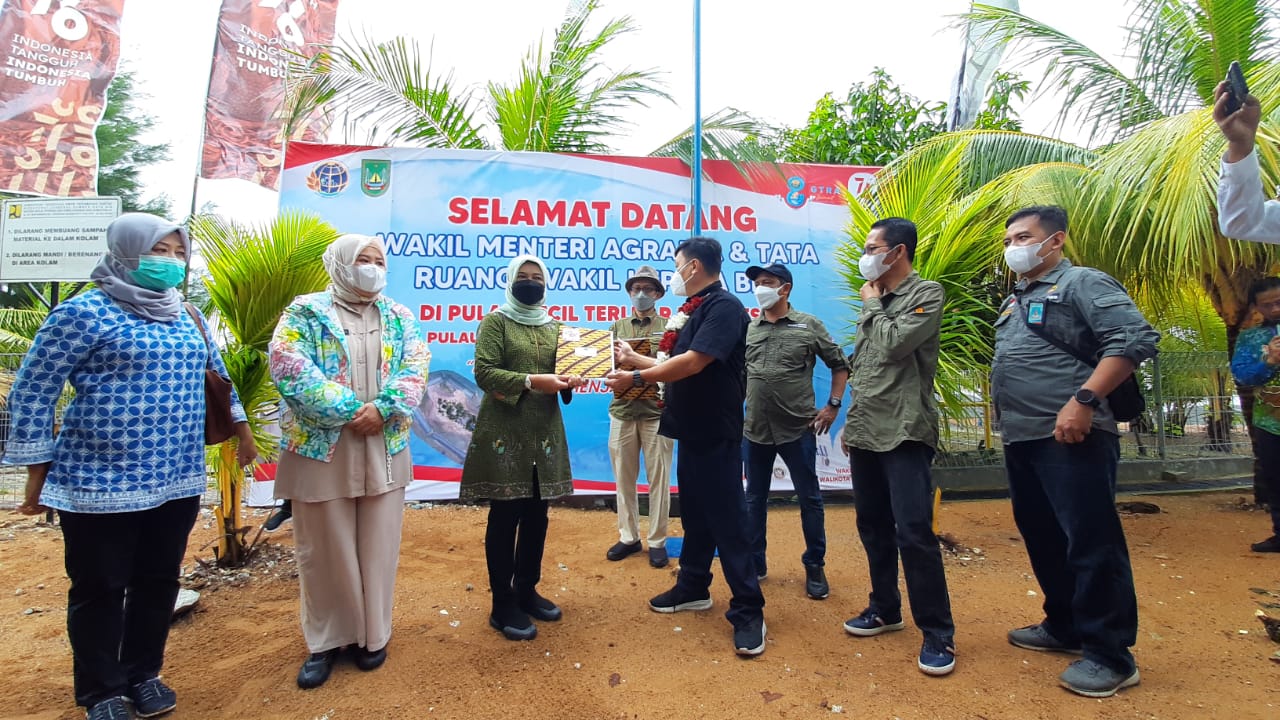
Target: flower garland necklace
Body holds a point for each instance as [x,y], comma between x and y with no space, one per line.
[668,342]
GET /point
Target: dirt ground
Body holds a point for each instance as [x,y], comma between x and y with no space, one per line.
[1202,652]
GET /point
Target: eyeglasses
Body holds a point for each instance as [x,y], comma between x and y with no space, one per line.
[644,288]
[875,249]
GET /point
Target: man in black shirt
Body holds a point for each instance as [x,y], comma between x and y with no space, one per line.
[702,361]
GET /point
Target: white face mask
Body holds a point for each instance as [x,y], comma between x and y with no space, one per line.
[873,266]
[1022,259]
[677,281]
[767,296]
[643,301]
[370,279]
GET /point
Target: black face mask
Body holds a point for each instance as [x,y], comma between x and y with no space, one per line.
[528,292]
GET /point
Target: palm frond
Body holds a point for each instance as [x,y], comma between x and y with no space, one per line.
[255,272]
[566,99]
[385,92]
[1094,90]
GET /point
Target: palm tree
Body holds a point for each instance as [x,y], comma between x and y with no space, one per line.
[254,273]
[563,99]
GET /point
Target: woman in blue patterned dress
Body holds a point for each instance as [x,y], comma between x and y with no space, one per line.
[126,470]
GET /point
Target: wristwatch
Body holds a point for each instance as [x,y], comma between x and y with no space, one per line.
[636,380]
[528,382]
[1085,396]
[834,402]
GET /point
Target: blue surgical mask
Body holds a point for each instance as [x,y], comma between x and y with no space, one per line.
[159,272]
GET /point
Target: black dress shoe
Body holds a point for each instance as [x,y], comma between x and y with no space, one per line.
[540,608]
[282,513]
[315,671]
[621,550]
[370,660]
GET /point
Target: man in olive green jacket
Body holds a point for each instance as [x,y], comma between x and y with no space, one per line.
[891,434]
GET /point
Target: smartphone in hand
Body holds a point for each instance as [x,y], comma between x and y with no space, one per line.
[1237,89]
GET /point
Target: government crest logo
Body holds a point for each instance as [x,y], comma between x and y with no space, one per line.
[328,178]
[375,177]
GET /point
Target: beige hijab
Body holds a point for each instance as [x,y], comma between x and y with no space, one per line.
[340,261]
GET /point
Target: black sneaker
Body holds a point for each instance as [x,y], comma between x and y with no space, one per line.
[870,623]
[316,669]
[367,660]
[677,600]
[540,608]
[658,557]
[748,640]
[513,623]
[815,583]
[1271,544]
[152,698]
[277,518]
[109,709]
[621,550]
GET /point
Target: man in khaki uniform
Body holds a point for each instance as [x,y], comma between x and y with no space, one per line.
[783,347]
[633,430]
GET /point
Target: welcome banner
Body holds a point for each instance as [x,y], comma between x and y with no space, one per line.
[243,137]
[452,220]
[58,57]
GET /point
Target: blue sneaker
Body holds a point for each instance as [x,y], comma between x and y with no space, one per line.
[936,658]
[870,623]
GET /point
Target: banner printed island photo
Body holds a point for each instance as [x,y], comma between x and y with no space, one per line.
[452,220]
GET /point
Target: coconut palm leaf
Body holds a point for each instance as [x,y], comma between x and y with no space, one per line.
[566,99]
[1183,48]
[18,327]
[1099,94]
[387,96]
[255,272]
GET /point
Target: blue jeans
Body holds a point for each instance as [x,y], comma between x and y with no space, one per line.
[800,456]
[893,495]
[712,513]
[1064,503]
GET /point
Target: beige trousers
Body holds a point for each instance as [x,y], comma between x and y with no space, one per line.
[347,553]
[627,439]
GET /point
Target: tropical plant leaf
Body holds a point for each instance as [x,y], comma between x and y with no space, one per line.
[566,99]
[256,271]
[1093,90]
[387,94]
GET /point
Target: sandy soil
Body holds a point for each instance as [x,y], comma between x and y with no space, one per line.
[237,655]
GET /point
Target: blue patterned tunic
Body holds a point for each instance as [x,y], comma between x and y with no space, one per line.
[133,436]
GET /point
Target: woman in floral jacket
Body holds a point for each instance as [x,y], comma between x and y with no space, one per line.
[351,366]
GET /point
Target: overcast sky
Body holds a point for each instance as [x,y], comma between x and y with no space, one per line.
[772,59]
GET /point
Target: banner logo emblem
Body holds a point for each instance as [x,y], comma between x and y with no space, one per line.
[795,192]
[328,179]
[375,177]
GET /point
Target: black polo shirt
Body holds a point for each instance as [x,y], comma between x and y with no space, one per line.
[707,408]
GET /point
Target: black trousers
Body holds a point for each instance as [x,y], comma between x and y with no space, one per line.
[124,581]
[514,539]
[1267,447]
[713,512]
[893,495]
[1064,503]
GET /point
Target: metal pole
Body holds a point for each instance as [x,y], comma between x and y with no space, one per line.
[1157,388]
[697,117]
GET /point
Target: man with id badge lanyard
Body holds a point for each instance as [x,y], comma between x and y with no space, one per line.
[1062,445]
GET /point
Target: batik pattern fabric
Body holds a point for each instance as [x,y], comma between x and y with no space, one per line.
[310,364]
[132,437]
[1249,367]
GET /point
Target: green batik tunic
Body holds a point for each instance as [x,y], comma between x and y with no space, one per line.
[516,428]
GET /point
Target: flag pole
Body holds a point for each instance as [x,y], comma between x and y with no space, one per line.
[697,117]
